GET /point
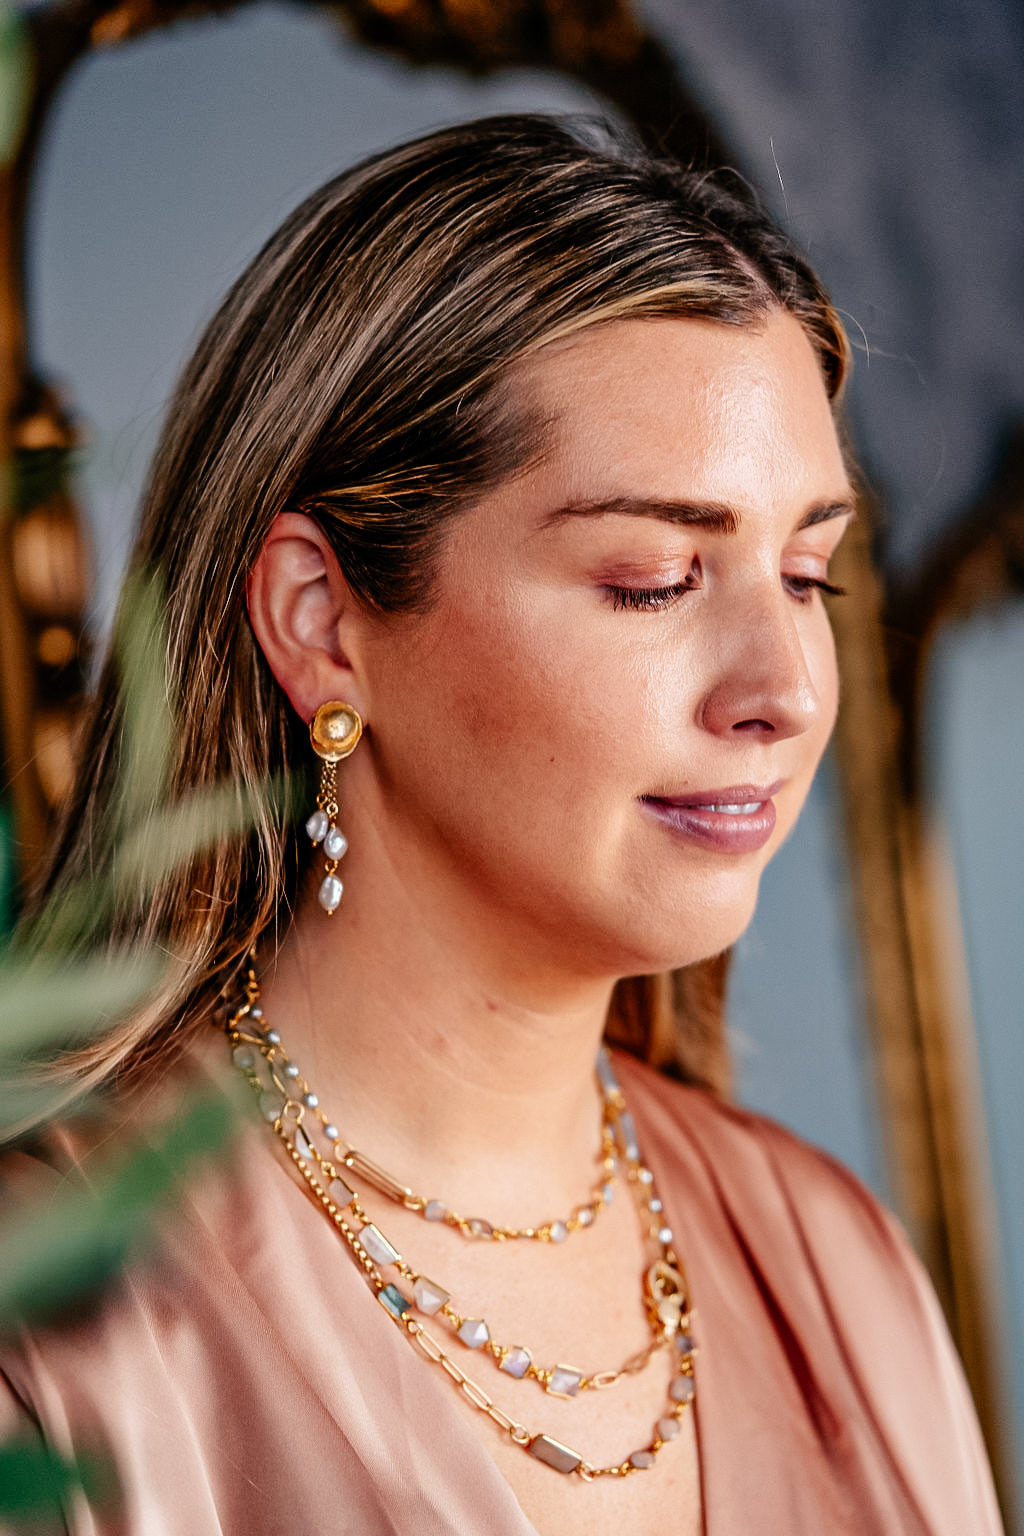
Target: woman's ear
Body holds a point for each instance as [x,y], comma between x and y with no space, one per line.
[298,602]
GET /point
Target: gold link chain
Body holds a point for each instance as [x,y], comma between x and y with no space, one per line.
[414,1330]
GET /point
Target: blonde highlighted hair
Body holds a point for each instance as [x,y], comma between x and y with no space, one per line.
[355,372]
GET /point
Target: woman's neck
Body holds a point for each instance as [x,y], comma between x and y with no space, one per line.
[467,1077]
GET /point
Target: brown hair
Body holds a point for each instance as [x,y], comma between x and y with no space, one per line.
[354,373]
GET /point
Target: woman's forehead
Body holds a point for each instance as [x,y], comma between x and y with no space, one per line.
[633,404]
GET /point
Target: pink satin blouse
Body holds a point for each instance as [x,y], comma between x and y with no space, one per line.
[246,1384]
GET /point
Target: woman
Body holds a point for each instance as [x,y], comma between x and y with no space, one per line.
[501,495]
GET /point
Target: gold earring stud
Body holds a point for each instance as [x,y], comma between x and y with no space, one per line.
[334,732]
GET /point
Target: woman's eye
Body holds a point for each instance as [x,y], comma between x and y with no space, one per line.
[647,599]
[803,588]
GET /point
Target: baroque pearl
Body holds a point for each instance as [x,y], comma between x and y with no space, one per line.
[317,826]
[335,844]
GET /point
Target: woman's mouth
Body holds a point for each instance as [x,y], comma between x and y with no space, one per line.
[740,819]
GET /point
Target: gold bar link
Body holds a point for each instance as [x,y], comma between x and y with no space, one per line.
[452,1369]
[428,1344]
[377,1176]
[477,1396]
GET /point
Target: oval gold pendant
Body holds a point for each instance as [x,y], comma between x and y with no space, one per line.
[334,731]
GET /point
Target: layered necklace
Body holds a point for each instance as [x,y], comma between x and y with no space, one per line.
[334,1171]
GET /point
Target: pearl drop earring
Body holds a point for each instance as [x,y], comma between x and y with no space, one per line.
[334,732]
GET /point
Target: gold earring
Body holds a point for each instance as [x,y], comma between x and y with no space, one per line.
[334,732]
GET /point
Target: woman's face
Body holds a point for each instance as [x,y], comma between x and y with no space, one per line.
[610,717]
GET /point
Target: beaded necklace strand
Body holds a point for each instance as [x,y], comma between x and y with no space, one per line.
[321,1156]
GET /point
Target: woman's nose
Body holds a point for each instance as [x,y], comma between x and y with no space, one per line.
[765,685]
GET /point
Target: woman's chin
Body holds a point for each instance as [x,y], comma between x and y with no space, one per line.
[688,935]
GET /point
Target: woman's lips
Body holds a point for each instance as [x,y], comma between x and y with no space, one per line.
[739,819]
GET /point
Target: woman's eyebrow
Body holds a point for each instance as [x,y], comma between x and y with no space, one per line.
[824,511]
[704,514]
[716,516]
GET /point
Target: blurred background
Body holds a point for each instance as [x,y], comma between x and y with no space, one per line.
[875,1004]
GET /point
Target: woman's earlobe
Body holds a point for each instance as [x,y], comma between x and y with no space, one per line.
[297,596]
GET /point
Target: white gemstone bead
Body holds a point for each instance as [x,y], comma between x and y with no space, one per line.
[642,1460]
[430,1298]
[668,1428]
[377,1245]
[271,1104]
[435,1210]
[564,1382]
[517,1361]
[681,1389]
[340,1193]
[606,1073]
[317,826]
[329,894]
[335,844]
[559,1231]
[474,1332]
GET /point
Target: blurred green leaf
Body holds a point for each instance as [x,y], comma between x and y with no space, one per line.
[36,1481]
[66,1247]
[72,1234]
[170,837]
[51,1002]
[140,640]
[8,869]
[15,79]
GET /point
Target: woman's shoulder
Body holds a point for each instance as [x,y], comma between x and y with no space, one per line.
[748,1150]
[793,1203]
[799,1266]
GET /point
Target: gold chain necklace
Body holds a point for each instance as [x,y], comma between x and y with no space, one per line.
[289,1082]
[286,1099]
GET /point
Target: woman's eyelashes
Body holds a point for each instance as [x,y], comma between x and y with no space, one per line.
[647,597]
[650,599]
[803,588]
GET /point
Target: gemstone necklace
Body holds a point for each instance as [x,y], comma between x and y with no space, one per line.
[287,1081]
[285,1098]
